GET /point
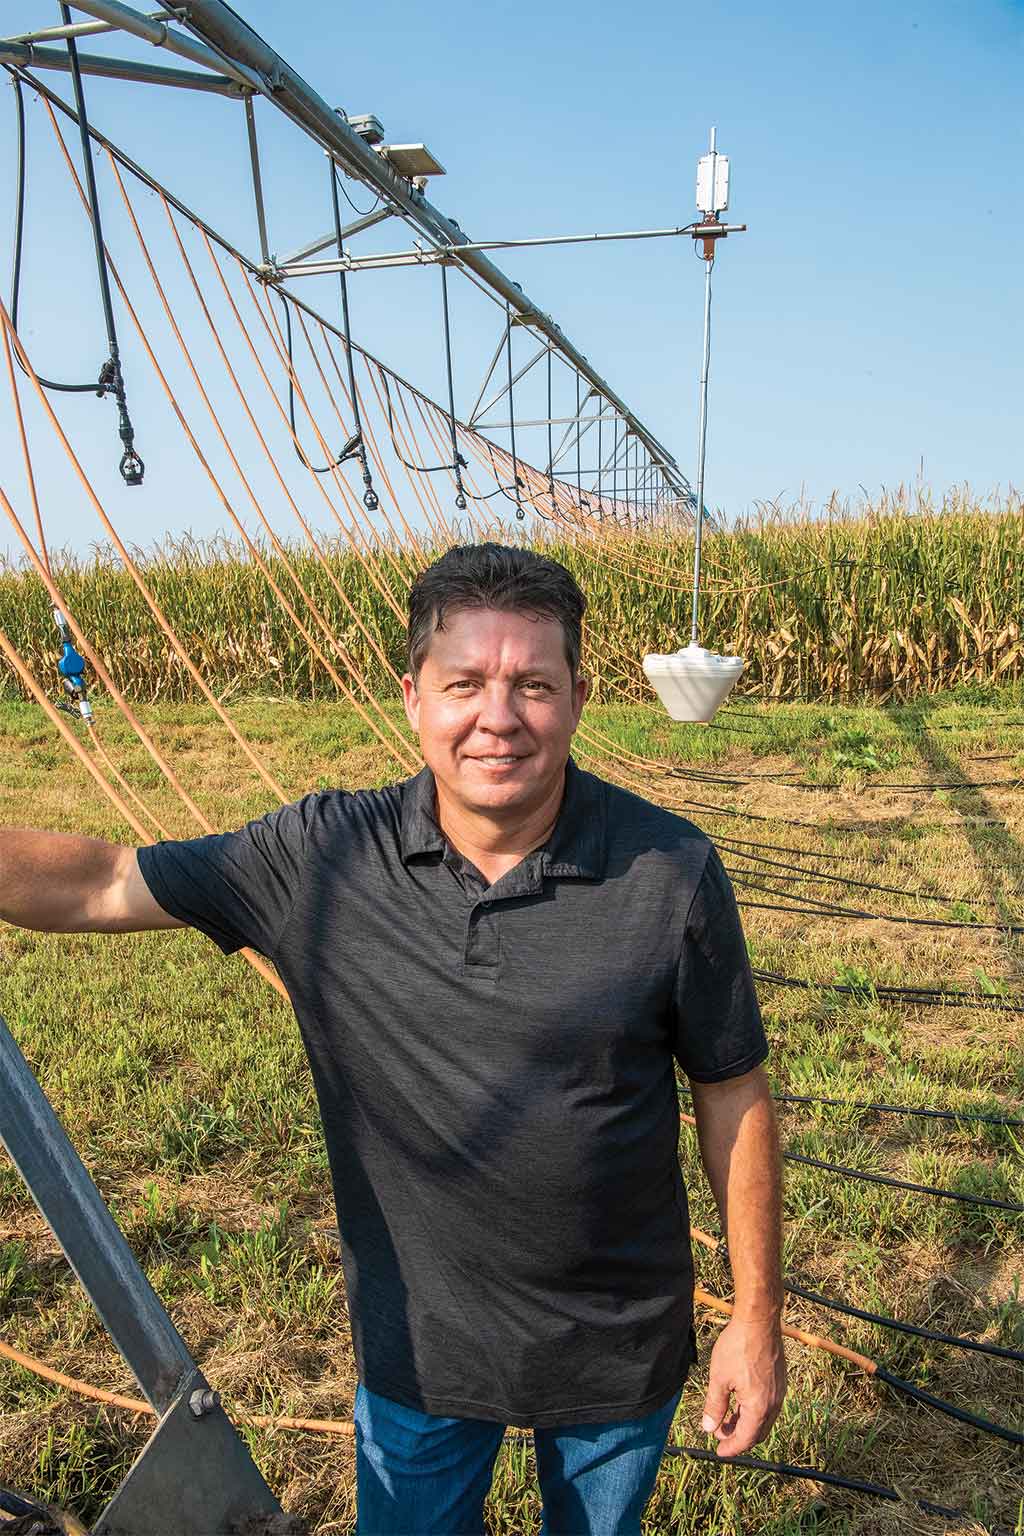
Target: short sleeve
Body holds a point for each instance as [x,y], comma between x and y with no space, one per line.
[718,1028]
[236,887]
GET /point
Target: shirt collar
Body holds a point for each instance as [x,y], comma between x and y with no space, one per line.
[576,849]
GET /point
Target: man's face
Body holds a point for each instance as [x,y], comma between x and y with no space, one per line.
[495,706]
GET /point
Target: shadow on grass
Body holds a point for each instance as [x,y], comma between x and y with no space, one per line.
[990,839]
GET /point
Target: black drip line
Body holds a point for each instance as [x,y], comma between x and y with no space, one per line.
[815,1475]
[900,1109]
[520,514]
[880,1320]
[808,904]
[957,1341]
[703,776]
[728,810]
[921,996]
[801,853]
[822,876]
[962,1415]
[551,446]
[356,448]
[458,463]
[579,477]
[353,444]
[511,490]
[893,1183]
[600,459]
[110,380]
[829,1479]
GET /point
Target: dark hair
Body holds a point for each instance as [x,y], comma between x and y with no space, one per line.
[494,576]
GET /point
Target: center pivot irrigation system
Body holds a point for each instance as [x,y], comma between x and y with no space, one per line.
[237,63]
[636,480]
[632,482]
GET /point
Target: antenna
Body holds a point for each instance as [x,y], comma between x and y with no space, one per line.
[712,200]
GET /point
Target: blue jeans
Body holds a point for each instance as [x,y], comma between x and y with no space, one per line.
[421,1475]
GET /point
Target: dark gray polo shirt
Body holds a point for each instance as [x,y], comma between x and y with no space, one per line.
[494,1066]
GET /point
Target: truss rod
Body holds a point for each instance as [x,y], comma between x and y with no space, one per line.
[478,415]
[218,25]
[28,56]
[420,256]
[58,34]
[321,243]
[257,178]
[161,36]
[567,436]
[499,349]
[545,421]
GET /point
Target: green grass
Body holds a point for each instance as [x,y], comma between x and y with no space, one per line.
[182,1081]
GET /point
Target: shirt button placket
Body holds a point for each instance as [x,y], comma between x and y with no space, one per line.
[482,935]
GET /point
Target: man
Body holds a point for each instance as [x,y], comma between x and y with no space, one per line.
[493,965]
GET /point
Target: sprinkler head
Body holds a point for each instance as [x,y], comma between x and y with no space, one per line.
[132,467]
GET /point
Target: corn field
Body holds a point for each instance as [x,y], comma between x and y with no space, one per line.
[886,604]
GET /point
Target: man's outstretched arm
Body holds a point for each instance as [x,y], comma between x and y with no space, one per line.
[57,882]
[740,1149]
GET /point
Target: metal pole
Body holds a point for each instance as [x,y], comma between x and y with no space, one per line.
[96,1250]
[421,256]
[702,433]
[321,243]
[257,180]
[161,36]
[27,56]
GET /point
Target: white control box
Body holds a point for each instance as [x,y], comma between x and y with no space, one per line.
[713,183]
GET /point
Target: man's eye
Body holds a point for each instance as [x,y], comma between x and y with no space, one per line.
[461,683]
[537,685]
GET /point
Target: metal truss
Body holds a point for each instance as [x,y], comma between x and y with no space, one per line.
[231,59]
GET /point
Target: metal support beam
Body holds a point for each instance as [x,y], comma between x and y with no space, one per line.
[27,56]
[478,417]
[487,378]
[568,435]
[58,34]
[421,255]
[69,1201]
[257,179]
[367,221]
[221,27]
[545,421]
[160,35]
[195,1477]
[611,460]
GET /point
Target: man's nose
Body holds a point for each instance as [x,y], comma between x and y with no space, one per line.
[497,712]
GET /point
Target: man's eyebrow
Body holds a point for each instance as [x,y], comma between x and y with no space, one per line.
[539,669]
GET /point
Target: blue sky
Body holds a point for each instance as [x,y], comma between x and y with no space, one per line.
[870,318]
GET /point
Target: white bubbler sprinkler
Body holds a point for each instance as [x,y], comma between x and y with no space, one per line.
[692,683]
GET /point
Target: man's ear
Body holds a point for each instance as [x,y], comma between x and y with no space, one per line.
[411,700]
[581,693]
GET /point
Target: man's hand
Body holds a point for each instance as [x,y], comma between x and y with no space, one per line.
[747,1363]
